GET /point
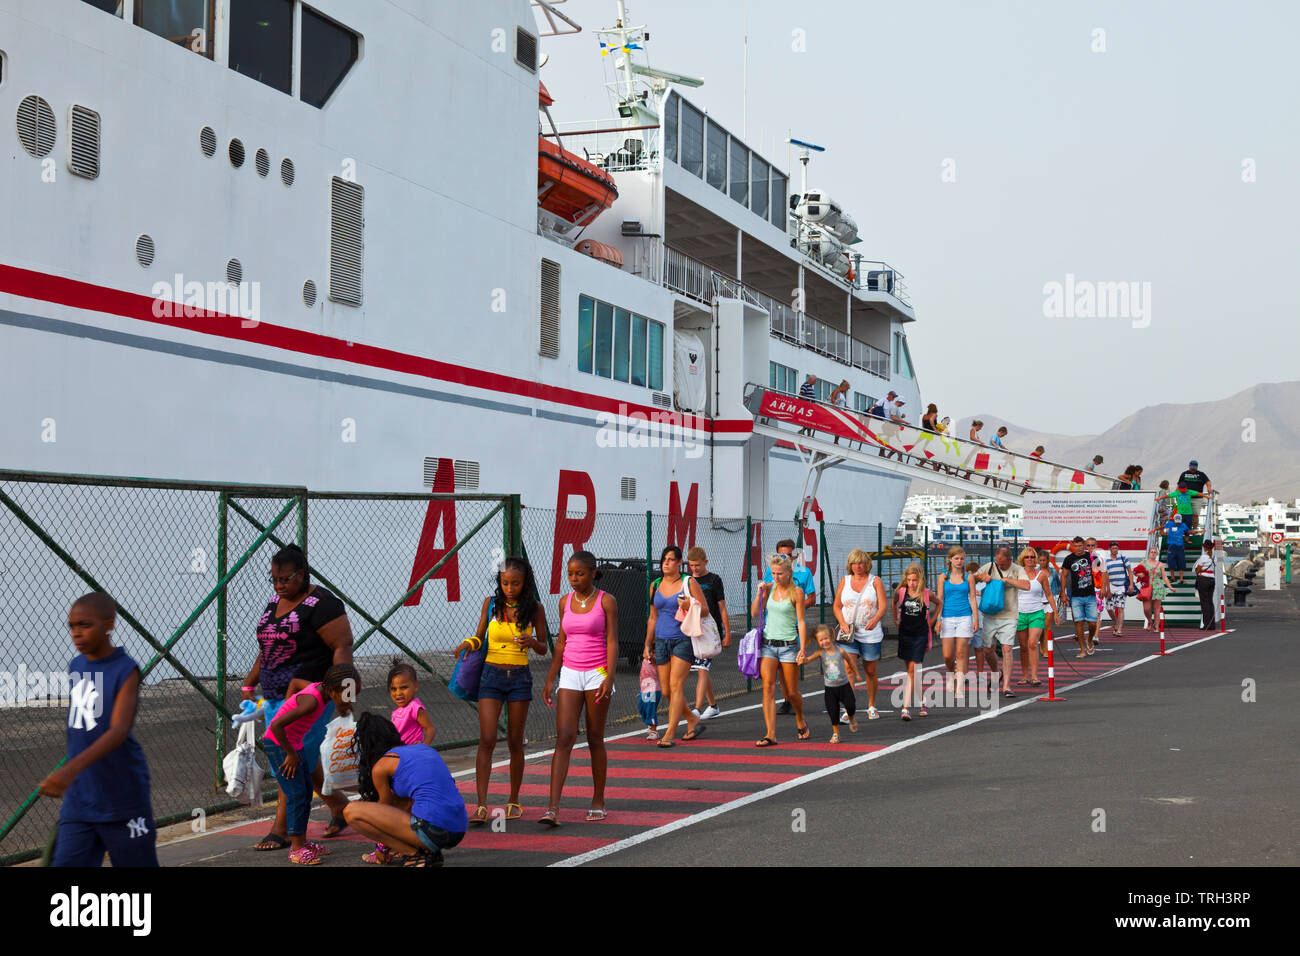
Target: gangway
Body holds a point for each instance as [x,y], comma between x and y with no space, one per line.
[825,436]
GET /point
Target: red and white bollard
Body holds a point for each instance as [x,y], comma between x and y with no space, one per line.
[1051,671]
[1223,615]
[1162,628]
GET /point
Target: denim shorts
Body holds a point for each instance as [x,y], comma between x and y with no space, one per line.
[509,684]
[680,647]
[866,650]
[1177,558]
[786,655]
[1084,608]
[435,838]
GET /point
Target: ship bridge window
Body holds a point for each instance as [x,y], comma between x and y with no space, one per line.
[187,23]
[739,173]
[619,344]
[670,126]
[902,357]
[778,200]
[692,133]
[715,149]
[328,52]
[758,185]
[261,41]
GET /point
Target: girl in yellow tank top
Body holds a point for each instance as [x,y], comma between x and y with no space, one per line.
[511,622]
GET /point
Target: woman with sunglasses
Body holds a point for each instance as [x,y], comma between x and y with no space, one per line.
[303,632]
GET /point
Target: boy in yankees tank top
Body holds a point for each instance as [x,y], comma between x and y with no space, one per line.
[104,782]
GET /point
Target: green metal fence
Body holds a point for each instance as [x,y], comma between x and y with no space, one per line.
[186,563]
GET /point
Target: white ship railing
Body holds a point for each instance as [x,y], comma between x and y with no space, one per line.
[695,280]
[614,150]
[873,275]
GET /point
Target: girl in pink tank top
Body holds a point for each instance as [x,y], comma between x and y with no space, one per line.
[586,651]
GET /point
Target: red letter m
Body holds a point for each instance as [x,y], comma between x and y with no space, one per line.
[681,526]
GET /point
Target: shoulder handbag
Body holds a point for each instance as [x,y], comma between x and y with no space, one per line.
[840,636]
[468,673]
[994,598]
[751,646]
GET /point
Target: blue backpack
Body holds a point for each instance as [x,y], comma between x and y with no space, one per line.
[468,673]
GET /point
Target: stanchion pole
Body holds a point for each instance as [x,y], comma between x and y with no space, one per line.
[1223,615]
[1051,670]
[1162,627]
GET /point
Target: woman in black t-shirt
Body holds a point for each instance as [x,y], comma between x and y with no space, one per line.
[303,631]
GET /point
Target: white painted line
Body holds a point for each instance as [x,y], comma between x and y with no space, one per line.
[772,791]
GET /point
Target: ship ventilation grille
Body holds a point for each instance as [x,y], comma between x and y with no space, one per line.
[661,399]
[262,162]
[236,153]
[83,142]
[309,293]
[144,251]
[36,126]
[208,141]
[286,172]
[347,241]
[550,305]
[526,49]
[628,489]
[234,272]
[465,474]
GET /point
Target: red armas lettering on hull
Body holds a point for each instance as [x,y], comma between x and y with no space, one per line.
[427,553]
[574,531]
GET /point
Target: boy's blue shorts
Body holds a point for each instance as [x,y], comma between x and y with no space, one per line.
[127,843]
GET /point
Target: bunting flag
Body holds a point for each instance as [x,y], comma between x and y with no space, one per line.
[607,48]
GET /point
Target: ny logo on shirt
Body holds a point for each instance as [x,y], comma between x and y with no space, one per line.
[84,705]
[137,827]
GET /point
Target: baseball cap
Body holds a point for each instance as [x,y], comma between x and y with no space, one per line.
[1193,463]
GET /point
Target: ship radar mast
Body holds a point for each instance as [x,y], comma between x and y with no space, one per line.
[632,98]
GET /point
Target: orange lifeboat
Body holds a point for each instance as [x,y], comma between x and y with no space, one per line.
[601,251]
[569,187]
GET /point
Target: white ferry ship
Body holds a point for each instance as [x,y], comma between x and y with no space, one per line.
[323,243]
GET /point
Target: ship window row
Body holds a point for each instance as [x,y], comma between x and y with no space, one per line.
[261,39]
[703,148]
[902,357]
[782,378]
[621,345]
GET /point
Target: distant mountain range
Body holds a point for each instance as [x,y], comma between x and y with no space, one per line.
[1248,443]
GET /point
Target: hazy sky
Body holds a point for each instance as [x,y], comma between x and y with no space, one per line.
[1117,166]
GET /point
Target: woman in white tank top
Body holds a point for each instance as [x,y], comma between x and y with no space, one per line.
[1034,605]
[859,606]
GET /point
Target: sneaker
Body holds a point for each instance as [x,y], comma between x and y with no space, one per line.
[785,708]
[710,712]
[695,713]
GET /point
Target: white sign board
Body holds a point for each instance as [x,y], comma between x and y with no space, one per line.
[1053,518]
[1273,574]
[1123,516]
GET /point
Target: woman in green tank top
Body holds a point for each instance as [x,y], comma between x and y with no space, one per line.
[784,637]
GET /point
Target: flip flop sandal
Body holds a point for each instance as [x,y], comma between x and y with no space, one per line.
[697,732]
[514,811]
[804,732]
[551,818]
[594,816]
[665,744]
[873,714]
[923,712]
[479,816]
[835,738]
[306,855]
[277,843]
[853,724]
[1008,693]
[906,714]
[337,824]
[766,742]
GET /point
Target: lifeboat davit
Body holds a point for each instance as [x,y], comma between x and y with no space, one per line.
[569,187]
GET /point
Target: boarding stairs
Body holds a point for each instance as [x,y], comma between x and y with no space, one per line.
[825,436]
[1183,607]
